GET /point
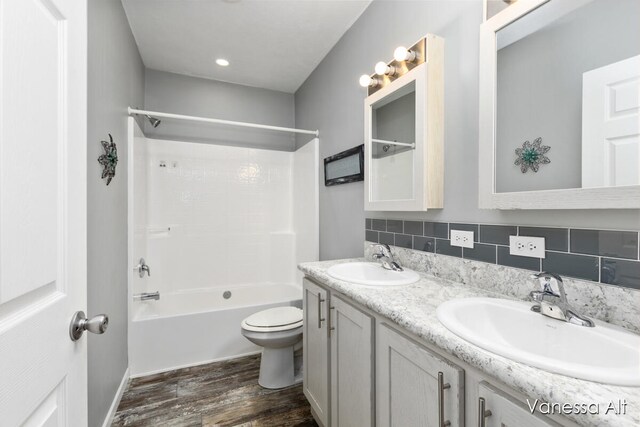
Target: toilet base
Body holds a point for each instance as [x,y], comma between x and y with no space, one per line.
[277,368]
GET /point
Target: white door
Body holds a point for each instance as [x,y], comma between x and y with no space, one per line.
[611,125]
[43,67]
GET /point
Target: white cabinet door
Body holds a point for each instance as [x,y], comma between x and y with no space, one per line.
[415,387]
[611,125]
[502,410]
[43,161]
[351,366]
[316,350]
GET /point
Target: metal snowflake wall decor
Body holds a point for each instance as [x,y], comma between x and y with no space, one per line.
[532,155]
[109,159]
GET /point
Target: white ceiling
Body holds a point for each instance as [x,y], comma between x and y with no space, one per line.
[273,44]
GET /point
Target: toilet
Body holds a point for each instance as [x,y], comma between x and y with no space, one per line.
[277,331]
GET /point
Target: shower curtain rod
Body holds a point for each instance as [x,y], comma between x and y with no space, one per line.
[222,122]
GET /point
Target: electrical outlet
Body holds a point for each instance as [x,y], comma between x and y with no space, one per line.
[464,239]
[527,246]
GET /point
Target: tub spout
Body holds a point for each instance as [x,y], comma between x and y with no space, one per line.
[145,296]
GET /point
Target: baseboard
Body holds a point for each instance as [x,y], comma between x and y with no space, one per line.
[116,400]
[173,368]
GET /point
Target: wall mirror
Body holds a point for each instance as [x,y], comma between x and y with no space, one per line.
[403,138]
[560,105]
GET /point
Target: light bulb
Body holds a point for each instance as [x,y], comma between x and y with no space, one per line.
[403,54]
[222,62]
[367,81]
[382,69]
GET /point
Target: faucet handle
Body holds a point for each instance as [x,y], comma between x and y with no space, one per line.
[384,249]
[547,280]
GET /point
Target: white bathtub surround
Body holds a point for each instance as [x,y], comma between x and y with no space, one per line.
[613,304]
[190,328]
[413,307]
[209,219]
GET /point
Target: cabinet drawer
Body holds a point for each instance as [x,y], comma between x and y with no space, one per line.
[502,410]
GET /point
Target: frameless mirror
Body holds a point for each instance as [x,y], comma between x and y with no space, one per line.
[393,132]
[560,104]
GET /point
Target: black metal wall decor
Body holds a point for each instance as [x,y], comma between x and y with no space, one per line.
[532,155]
[109,159]
[344,167]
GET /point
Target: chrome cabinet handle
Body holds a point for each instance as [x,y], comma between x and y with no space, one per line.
[441,388]
[79,323]
[483,413]
[320,318]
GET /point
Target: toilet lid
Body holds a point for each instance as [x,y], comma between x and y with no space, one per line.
[275,317]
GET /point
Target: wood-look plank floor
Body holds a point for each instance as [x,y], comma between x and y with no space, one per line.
[224,394]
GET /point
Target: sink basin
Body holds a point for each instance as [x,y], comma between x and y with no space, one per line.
[372,274]
[604,353]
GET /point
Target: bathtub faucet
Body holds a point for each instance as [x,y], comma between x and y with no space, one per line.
[146,296]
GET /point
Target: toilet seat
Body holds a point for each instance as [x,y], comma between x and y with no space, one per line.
[273,320]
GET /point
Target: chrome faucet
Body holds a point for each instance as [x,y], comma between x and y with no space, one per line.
[385,257]
[146,296]
[554,304]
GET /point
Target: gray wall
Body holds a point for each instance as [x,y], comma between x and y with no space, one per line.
[175,93]
[540,89]
[116,80]
[332,101]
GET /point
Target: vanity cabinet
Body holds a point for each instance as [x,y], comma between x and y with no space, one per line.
[315,356]
[352,388]
[362,371]
[501,410]
[414,386]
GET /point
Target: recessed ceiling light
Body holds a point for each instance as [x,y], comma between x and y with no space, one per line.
[222,62]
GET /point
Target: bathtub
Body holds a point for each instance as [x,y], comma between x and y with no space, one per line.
[190,328]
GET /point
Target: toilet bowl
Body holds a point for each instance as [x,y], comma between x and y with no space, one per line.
[277,331]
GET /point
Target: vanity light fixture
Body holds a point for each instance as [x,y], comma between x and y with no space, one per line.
[368,81]
[403,54]
[222,62]
[383,69]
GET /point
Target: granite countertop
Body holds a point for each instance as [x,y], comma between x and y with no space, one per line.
[413,308]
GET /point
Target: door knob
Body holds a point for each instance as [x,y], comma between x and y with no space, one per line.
[79,323]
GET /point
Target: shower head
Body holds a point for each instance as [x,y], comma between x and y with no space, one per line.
[154,122]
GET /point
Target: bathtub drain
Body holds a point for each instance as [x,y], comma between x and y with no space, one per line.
[226,294]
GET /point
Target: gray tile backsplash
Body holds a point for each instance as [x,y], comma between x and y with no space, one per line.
[379,224]
[620,272]
[555,239]
[404,241]
[617,244]
[610,257]
[436,229]
[387,238]
[425,244]
[497,234]
[444,247]
[508,260]
[414,227]
[579,266]
[394,226]
[481,252]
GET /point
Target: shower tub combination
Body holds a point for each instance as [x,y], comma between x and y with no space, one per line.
[183,329]
[222,230]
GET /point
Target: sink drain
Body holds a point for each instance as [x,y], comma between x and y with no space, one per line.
[226,294]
